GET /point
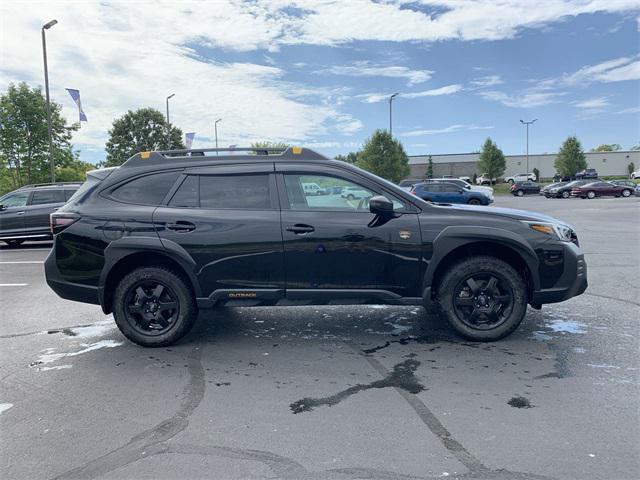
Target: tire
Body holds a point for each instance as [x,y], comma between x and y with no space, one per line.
[474,201]
[591,195]
[507,298]
[566,194]
[510,181]
[626,193]
[14,243]
[519,193]
[146,327]
[350,197]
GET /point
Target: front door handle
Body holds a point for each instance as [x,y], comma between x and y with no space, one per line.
[300,228]
[181,226]
[19,213]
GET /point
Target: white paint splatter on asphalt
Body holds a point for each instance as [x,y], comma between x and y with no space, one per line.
[5,406]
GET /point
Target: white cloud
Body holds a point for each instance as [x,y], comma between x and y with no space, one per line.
[121,57]
[630,110]
[365,69]
[449,129]
[525,99]
[593,103]
[487,81]
[379,97]
[615,70]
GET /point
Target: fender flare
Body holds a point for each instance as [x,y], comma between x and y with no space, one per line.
[123,247]
[457,236]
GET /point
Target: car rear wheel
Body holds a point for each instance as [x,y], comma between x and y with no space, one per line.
[474,201]
[154,307]
[566,194]
[626,193]
[519,193]
[591,195]
[483,298]
[350,197]
[14,243]
[511,181]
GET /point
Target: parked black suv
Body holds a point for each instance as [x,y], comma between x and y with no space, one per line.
[168,233]
[24,213]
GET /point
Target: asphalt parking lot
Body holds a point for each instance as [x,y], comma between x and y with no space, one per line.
[331,392]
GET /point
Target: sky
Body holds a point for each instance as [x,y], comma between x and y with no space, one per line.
[319,73]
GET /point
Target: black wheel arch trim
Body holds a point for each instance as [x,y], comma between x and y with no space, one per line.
[119,249]
[454,237]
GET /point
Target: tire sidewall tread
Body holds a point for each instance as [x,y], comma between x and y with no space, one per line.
[186,298]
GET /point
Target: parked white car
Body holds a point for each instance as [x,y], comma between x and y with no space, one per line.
[312,189]
[353,193]
[635,174]
[485,180]
[521,177]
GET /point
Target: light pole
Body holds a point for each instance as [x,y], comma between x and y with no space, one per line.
[47,26]
[168,125]
[390,110]
[527,125]
[215,126]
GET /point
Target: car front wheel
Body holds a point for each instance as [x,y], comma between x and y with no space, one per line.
[566,194]
[483,298]
[474,201]
[519,193]
[154,307]
[591,195]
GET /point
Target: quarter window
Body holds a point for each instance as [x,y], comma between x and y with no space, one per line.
[147,190]
[250,192]
[41,197]
[187,194]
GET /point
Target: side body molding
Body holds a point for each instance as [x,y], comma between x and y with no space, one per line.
[457,236]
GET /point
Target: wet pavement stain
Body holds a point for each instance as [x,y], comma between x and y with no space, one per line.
[403,376]
[520,402]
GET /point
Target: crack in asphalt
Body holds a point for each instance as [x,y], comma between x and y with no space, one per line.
[134,450]
[612,298]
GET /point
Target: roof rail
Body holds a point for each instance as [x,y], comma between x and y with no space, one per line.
[245,153]
[54,184]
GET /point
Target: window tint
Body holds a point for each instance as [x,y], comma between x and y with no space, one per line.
[450,188]
[41,197]
[432,187]
[147,190]
[15,200]
[187,194]
[333,194]
[235,191]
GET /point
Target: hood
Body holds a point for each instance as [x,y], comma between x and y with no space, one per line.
[508,212]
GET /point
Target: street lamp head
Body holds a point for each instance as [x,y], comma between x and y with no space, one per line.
[394,95]
[50,24]
[171,96]
[534,120]
[218,120]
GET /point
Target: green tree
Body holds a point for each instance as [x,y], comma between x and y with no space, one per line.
[351,157]
[268,146]
[430,168]
[384,156]
[24,138]
[491,159]
[571,158]
[536,172]
[143,130]
[607,147]
[631,168]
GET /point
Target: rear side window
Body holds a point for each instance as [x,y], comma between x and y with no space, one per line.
[249,192]
[69,193]
[41,197]
[147,190]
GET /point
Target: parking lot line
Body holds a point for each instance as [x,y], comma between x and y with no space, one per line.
[14,284]
[19,262]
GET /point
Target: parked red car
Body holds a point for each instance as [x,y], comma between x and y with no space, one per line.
[601,189]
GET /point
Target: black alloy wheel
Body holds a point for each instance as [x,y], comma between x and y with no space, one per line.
[483,301]
[151,307]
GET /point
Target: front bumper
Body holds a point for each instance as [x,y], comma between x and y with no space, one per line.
[571,283]
[64,288]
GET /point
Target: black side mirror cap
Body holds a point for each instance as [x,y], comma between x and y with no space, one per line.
[380,205]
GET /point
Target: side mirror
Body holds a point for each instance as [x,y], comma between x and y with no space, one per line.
[461,190]
[2,207]
[381,205]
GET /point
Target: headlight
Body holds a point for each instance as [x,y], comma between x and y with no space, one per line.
[562,232]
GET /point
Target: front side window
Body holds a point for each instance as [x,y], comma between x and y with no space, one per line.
[42,197]
[324,192]
[147,190]
[249,192]
[15,200]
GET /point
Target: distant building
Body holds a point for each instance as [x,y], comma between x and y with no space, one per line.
[464,164]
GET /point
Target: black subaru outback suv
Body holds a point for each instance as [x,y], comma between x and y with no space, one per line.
[169,233]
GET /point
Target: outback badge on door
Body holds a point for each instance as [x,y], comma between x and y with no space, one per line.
[404,234]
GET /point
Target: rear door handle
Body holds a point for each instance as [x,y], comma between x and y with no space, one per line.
[19,213]
[300,228]
[181,226]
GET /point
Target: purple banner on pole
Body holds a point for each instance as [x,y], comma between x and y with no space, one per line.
[75,95]
[188,139]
